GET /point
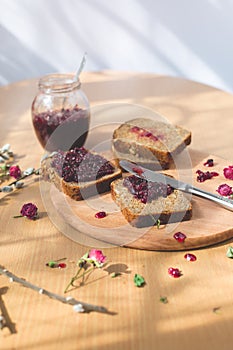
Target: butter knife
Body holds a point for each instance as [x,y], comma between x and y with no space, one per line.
[153,176]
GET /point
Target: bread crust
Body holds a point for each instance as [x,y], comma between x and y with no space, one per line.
[127,145]
[151,218]
[78,191]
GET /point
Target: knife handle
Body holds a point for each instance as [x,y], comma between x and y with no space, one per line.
[224,202]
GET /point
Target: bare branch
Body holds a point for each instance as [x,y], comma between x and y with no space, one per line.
[77,305]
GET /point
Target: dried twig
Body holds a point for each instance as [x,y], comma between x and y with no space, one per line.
[78,305]
[5,319]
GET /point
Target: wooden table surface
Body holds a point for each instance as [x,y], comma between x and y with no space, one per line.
[199,312]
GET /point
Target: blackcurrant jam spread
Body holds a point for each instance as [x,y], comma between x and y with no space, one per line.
[141,132]
[144,190]
[80,165]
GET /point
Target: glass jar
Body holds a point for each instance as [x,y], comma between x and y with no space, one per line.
[60,113]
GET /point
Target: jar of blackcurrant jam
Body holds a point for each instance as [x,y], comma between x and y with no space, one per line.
[60,113]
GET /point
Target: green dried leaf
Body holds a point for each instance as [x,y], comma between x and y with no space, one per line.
[85,256]
[115,274]
[96,263]
[216,310]
[163,300]
[52,264]
[139,281]
[229,253]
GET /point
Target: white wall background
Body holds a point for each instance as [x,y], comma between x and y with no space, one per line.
[187,38]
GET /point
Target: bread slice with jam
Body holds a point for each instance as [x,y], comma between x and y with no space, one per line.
[143,203]
[80,173]
[149,142]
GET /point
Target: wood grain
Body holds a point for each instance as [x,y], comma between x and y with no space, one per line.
[141,320]
[210,223]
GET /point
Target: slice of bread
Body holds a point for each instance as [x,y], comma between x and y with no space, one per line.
[173,208]
[79,190]
[149,142]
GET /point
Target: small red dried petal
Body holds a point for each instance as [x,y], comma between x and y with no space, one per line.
[15,171]
[29,210]
[225,190]
[100,215]
[209,162]
[62,265]
[174,272]
[228,172]
[180,237]
[203,176]
[190,257]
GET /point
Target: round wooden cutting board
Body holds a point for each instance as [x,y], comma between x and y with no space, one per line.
[210,223]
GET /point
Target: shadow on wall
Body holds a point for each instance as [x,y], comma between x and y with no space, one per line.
[17,61]
[190,40]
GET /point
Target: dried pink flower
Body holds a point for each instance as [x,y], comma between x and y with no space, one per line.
[225,190]
[29,210]
[97,255]
[228,172]
[15,171]
[87,263]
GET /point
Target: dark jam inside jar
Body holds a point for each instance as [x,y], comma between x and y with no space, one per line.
[60,113]
[62,129]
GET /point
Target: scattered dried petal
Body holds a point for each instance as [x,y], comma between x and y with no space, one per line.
[15,171]
[180,237]
[100,215]
[209,163]
[174,272]
[225,190]
[29,210]
[97,256]
[190,257]
[228,172]
[203,176]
